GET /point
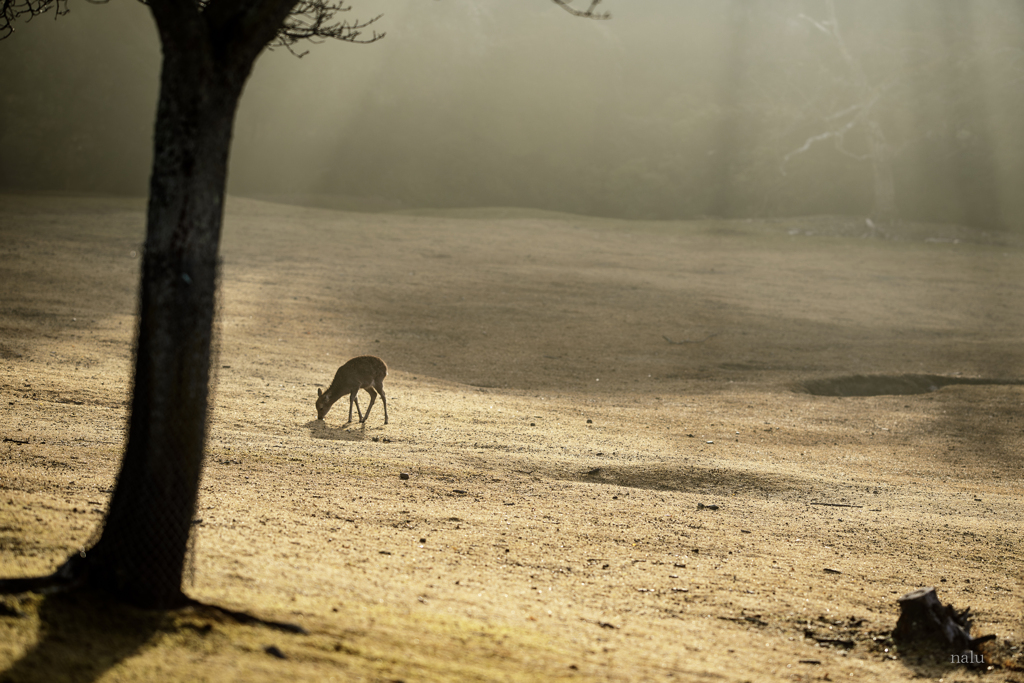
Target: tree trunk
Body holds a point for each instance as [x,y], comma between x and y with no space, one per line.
[208,52]
[879,150]
[141,554]
[881,168]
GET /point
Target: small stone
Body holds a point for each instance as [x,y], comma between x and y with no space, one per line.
[403,476]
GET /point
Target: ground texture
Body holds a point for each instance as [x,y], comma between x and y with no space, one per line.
[608,455]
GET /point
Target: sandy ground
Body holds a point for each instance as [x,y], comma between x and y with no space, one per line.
[614,471]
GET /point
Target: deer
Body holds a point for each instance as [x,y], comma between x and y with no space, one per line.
[362,372]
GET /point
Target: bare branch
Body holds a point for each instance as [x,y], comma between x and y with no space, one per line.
[849,110]
[12,10]
[589,13]
[820,25]
[840,147]
[836,135]
[808,143]
[314,21]
[309,20]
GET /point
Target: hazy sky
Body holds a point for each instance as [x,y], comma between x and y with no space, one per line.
[672,108]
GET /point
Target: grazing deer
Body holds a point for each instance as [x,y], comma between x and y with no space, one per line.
[362,372]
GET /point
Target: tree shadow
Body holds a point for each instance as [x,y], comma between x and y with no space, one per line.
[82,635]
[319,429]
[712,481]
[891,385]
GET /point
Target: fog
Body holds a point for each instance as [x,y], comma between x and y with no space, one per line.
[668,110]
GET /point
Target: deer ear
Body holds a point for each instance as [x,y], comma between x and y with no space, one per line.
[318,392]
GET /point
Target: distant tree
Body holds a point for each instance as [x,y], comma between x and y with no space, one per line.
[209,49]
[862,114]
[905,94]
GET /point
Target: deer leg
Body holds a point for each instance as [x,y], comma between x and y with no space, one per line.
[384,400]
[373,397]
[353,400]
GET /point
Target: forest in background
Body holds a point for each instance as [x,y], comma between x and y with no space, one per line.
[668,110]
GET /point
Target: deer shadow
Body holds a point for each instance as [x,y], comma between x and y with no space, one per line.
[82,636]
[353,431]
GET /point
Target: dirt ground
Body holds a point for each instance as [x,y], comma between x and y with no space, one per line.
[615,469]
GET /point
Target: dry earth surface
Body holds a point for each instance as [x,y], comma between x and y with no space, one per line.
[615,471]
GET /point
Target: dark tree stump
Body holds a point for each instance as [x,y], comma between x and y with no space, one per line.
[926,621]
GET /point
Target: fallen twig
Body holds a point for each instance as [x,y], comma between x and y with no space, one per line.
[828,640]
[838,505]
[690,341]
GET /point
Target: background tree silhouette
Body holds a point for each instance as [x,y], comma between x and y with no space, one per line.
[209,49]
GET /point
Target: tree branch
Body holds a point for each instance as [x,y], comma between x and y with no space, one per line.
[12,10]
[314,20]
[589,13]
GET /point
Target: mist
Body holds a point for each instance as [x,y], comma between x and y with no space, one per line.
[669,110]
